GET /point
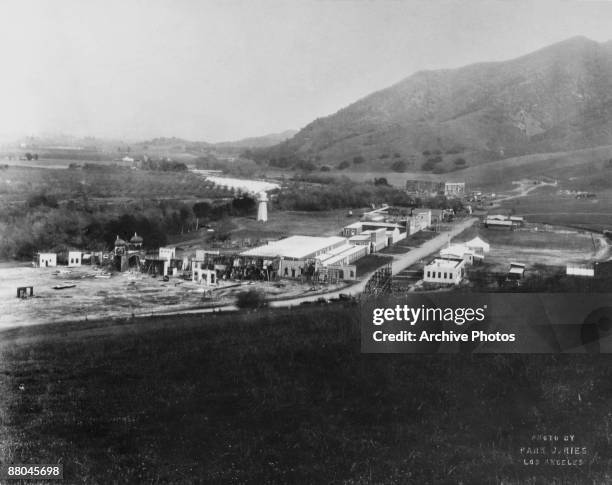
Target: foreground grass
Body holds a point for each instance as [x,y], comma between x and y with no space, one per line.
[285,397]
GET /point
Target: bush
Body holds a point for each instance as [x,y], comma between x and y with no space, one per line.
[42,199]
[460,162]
[359,159]
[252,298]
[343,165]
[399,166]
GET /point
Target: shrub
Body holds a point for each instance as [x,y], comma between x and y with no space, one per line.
[252,298]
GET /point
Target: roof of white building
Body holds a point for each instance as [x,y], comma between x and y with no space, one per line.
[478,242]
[296,247]
[354,225]
[456,249]
[444,263]
[339,254]
[381,224]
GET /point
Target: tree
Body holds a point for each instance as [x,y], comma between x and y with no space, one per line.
[28,156]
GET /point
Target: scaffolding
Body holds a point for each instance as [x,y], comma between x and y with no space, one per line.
[380,282]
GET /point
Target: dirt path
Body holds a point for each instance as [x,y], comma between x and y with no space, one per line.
[523,189]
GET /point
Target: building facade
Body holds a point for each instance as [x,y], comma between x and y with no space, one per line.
[444,271]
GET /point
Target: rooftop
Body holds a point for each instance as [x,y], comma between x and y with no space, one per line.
[444,263]
[295,247]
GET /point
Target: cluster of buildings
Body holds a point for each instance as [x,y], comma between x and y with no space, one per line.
[500,221]
[385,226]
[449,266]
[430,188]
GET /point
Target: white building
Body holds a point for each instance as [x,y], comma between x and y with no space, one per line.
[299,255]
[443,270]
[460,251]
[419,220]
[167,253]
[74,258]
[45,260]
[478,245]
[200,273]
[454,189]
[580,270]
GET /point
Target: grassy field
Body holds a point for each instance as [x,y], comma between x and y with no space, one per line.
[16,183]
[550,207]
[286,398]
[561,240]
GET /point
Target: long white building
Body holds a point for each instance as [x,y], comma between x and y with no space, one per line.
[301,255]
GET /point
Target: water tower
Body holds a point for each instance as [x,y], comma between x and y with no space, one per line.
[262,207]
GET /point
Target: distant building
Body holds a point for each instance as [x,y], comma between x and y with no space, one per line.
[586,270]
[201,273]
[454,189]
[444,270]
[478,245]
[419,220]
[499,222]
[308,256]
[460,251]
[517,271]
[424,187]
[120,246]
[167,253]
[45,260]
[74,258]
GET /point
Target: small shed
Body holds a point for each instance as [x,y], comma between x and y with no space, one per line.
[25,291]
[517,271]
[479,244]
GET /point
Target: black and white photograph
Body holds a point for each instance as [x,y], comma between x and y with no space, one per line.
[353,242]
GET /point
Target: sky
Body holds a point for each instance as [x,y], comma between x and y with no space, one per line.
[225,70]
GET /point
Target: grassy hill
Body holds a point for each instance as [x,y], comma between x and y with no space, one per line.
[556,99]
[285,396]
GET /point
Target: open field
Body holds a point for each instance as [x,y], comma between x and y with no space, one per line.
[122,295]
[280,224]
[556,246]
[552,207]
[286,397]
[16,183]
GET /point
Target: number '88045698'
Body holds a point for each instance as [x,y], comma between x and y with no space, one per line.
[27,471]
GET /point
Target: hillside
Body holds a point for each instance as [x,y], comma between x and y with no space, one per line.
[555,99]
[258,141]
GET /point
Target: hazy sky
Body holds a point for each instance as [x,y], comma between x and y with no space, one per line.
[208,70]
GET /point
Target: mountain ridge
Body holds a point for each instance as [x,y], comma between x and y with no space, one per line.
[555,98]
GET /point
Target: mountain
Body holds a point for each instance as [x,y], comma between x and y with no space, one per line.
[257,142]
[555,99]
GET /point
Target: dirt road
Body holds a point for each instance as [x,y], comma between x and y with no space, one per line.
[400,262]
